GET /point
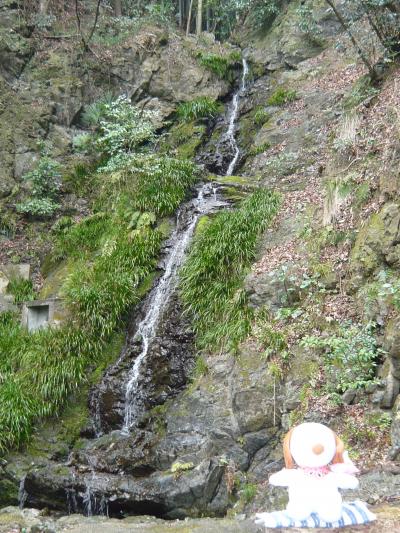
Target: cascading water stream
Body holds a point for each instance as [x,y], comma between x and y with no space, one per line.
[230,134]
[22,494]
[159,297]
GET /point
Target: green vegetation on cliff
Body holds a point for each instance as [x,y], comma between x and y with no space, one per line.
[201,107]
[212,277]
[110,254]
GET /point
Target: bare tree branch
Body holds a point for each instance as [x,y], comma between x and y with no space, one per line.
[78,20]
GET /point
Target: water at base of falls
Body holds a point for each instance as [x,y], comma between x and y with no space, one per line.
[205,202]
[230,134]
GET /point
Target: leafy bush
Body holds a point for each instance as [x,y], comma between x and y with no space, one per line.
[350,356]
[212,278]
[282,96]
[361,91]
[7,226]
[82,238]
[201,107]
[83,143]
[45,180]
[123,127]
[38,207]
[249,491]
[261,148]
[160,13]
[386,286]
[100,294]
[308,25]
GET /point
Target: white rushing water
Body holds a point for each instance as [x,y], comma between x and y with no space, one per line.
[230,134]
[159,297]
[22,494]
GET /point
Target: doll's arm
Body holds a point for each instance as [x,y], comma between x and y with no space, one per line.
[283,478]
[344,481]
[347,467]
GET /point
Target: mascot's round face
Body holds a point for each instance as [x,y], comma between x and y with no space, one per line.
[312,445]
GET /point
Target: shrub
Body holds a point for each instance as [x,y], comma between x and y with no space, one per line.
[249,491]
[261,148]
[83,143]
[38,207]
[201,107]
[350,356]
[361,91]
[212,278]
[123,127]
[45,180]
[282,96]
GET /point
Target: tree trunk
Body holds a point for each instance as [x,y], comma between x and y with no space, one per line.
[117,8]
[43,6]
[180,13]
[346,27]
[189,20]
[199,20]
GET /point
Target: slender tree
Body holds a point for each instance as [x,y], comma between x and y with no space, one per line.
[199,19]
[43,7]
[117,8]
[86,41]
[357,46]
[189,19]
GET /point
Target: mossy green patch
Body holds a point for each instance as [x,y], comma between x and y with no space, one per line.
[56,277]
[364,256]
[243,180]
[8,494]
[202,224]
[165,227]
[184,139]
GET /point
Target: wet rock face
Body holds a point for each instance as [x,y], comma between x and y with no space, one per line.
[163,374]
[212,429]
[166,494]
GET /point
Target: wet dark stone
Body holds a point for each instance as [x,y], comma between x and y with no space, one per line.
[164,372]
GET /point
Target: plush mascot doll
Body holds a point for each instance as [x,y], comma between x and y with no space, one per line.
[316,467]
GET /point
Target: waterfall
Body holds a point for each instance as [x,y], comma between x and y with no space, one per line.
[159,297]
[93,503]
[230,134]
[22,494]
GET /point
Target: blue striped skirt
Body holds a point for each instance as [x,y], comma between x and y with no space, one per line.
[354,513]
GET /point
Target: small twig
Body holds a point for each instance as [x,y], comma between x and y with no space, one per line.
[59,37]
[352,163]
